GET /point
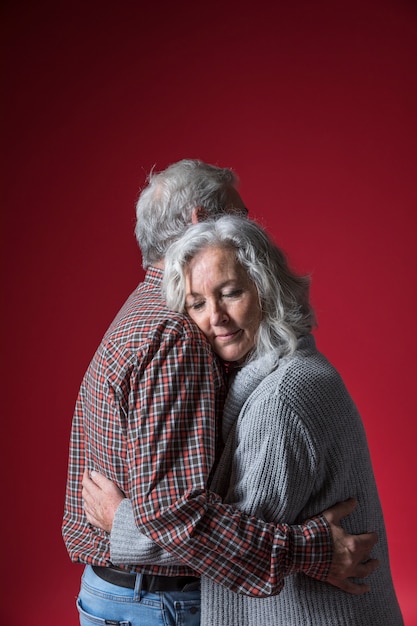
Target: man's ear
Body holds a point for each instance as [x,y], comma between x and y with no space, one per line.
[198,215]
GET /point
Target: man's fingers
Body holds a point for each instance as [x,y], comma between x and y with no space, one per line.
[340,510]
[365,569]
[361,546]
[369,539]
[362,570]
[351,553]
[350,586]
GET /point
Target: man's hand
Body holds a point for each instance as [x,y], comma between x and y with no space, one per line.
[101,498]
[351,553]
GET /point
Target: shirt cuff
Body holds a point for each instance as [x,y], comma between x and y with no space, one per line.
[314,547]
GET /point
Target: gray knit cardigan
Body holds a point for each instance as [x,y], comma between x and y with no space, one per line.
[294,445]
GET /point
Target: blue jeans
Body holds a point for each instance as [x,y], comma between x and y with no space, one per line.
[101,604]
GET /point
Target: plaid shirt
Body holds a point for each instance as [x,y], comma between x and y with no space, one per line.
[146,417]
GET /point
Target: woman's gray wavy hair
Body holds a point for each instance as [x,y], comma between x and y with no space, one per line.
[283,295]
[165,206]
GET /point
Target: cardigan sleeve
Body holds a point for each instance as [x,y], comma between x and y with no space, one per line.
[128,545]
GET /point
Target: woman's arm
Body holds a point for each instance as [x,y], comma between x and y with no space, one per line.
[106,508]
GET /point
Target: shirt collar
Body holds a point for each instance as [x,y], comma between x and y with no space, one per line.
[154,276]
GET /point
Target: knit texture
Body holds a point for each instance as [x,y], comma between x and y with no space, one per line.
[128,545]
[295,445]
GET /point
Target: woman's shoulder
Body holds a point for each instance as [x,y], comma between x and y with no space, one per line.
[305,376]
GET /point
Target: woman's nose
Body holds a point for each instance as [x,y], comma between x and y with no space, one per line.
[218,315]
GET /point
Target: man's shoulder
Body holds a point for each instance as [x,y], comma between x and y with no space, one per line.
[145,318]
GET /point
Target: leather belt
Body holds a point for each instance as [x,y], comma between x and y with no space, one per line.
[150,583]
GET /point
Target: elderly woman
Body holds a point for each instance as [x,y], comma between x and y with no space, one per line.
[294,442]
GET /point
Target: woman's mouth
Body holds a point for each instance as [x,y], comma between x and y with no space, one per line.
[228,336]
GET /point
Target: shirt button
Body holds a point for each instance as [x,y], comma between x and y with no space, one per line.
[193,610]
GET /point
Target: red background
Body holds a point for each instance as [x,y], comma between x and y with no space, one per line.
[313,104]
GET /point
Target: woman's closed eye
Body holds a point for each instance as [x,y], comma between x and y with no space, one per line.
[196,306]
[233,294]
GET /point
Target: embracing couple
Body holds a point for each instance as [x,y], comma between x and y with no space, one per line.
[214,450]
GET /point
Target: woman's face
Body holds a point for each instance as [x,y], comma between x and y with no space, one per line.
[223,302]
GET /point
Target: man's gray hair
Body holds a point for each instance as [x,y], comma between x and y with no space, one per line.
[164,208]
[283,295]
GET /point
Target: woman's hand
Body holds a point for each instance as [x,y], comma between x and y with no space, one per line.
[101,498]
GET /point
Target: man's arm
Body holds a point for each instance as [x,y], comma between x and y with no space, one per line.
[107,508]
